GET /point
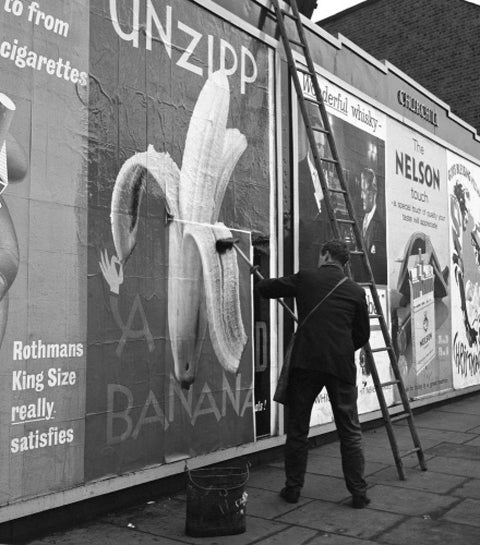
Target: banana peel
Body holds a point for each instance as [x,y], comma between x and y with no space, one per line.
[203,285]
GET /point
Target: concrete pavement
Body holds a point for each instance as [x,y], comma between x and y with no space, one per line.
[439,506]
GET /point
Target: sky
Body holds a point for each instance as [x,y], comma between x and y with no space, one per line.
[330,7]
[325,8]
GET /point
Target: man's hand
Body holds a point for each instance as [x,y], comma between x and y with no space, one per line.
[112,271]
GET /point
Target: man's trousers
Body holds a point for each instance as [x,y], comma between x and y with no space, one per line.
[304,387]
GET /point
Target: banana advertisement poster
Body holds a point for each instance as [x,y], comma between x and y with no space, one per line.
[180,159]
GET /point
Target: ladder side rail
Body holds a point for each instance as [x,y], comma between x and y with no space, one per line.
[303,109]
[385,412]
[360,243]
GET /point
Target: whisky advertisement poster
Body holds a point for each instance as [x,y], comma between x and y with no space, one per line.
[359,131]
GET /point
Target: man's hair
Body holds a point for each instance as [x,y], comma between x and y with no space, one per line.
[338,250]
[370,179]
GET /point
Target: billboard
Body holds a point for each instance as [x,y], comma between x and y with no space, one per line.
[418,259]
[464,214]
[43,139]
[177,164]
[360,133]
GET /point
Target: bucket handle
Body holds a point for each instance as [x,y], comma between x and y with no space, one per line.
[224,488]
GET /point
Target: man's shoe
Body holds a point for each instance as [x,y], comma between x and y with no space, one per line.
[289,494]
[359,502]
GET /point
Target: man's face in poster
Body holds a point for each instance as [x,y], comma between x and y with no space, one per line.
[368,190]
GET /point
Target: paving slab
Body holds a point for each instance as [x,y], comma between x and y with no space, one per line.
[470,489]
[317,486]
[442,420]
[402,501]
[430,532]
[475,441]
[430,437]
[475,430]
[465,406]
[335,539]
[451,450]
[383,455]
[330,465]
[428,481]
[468,468]
[322,487]
[292,535]
[466,512]
[300,536]
[167,520]
[268,477]
[104,534]
[340,519]
[267,504]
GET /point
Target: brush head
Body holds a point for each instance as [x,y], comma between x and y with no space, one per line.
[224,244]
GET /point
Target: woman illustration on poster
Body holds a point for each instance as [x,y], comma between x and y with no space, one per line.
[13,167]
[469,291]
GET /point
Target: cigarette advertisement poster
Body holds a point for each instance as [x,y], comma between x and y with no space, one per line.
[418,260]
[43,152]
[179,162]
[464,209]
[359,131]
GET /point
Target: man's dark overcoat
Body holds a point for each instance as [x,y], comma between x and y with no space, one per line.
[340,326]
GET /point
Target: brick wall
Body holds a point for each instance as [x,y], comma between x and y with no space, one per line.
[436,42]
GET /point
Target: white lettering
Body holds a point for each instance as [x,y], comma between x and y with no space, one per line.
[165,35]
[133,35]
[183,60]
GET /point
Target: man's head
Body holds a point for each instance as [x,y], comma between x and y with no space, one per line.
[334,250]
[369,189]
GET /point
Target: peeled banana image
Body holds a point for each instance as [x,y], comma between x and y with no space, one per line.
[203,285]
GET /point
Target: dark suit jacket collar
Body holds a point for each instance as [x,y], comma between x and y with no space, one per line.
[333,264]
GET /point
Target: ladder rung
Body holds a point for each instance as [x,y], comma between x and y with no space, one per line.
[341,220]
[389,383]
[328,160]
[399,417]
[310,99]
[320,129]
[360,252]
[411,451]
[296,42]
[288,14]
[373,316]
[382,349]
[336,190]
[303,70]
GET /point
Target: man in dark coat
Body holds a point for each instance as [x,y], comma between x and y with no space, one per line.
[373,227]
[323,355]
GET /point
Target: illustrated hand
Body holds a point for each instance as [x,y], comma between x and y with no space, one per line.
[112,271]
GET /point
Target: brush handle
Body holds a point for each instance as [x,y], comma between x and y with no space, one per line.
[255,271]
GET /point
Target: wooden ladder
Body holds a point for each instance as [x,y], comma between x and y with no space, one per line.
[339,225]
